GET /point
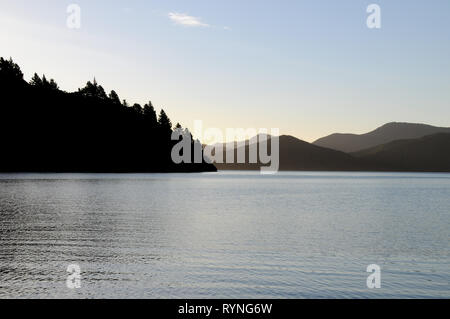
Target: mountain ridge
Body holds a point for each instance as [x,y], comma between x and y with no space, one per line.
[430,153]
[349,143]
[296,154]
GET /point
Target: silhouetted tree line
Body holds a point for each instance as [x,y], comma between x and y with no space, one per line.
[46,129]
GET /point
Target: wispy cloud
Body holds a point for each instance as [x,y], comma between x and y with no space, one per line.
[186,20]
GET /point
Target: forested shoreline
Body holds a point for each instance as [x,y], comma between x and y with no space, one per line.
[45,129]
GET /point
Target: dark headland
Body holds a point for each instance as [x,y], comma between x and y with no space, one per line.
[45,129]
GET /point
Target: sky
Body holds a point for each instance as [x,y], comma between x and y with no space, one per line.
[309,68]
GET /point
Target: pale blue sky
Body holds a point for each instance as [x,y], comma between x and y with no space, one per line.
[309,68]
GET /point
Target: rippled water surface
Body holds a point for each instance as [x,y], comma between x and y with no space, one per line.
[225,235]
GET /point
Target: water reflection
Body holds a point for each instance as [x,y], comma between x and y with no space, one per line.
[241,234]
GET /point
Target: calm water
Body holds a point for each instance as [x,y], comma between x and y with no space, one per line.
[225,235]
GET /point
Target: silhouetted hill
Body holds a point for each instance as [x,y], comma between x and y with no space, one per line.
[387,133]
[428,153]
[44,129]
[297,155]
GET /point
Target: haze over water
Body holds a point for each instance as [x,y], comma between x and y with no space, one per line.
[225,235]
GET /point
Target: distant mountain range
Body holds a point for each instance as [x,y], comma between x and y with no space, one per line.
[387,133]
[429,153]
[296,154]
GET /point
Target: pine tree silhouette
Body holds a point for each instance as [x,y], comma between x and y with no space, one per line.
[83,131]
